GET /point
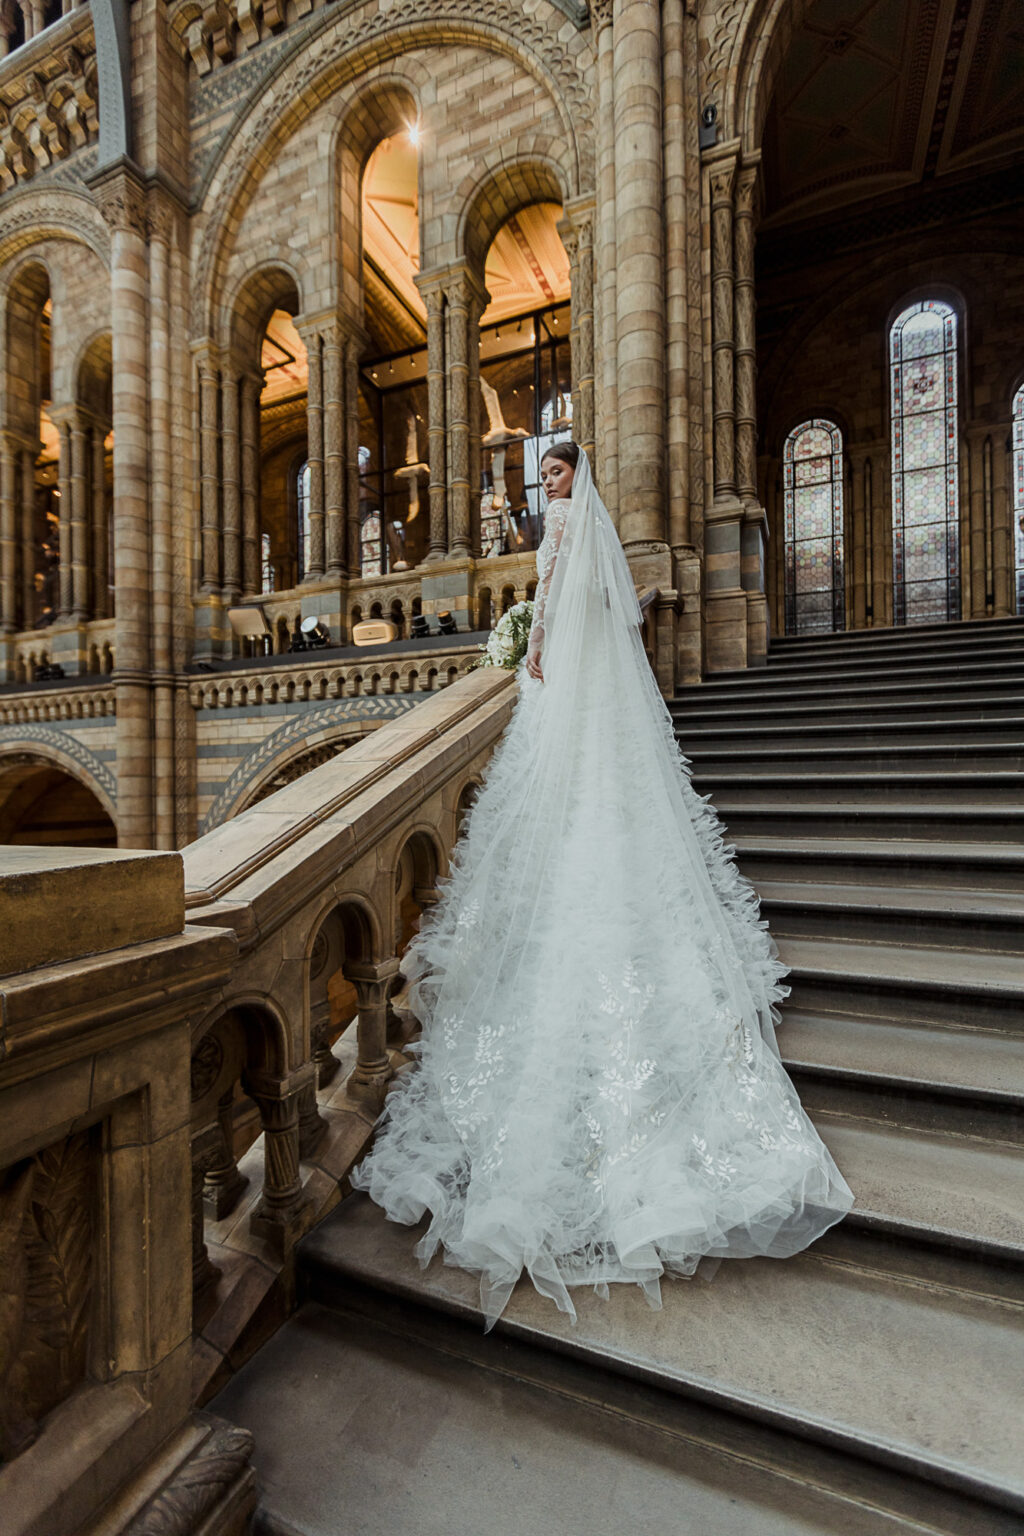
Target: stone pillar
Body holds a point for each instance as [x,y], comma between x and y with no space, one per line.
[334,449]
[122,204]
[315,456]
[606,468]
[640,270]
[161,229]
[79,521]
[466,303]
[251,389]
[8,537]
[63,426]
[577,232]
[370,1075]
[324,1059]
[277,1218]
[745,336]
[675,150]
[100,543]
[232,486]
[209,472]
[433,296]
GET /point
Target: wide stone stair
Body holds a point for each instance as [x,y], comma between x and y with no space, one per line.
[873,785]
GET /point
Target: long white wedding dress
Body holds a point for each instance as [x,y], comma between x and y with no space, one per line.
[597,1094]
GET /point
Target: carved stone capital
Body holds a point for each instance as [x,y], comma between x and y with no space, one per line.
[121,200]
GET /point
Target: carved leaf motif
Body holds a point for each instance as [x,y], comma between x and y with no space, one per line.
[58,1247]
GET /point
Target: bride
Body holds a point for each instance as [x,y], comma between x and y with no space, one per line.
[597,1093]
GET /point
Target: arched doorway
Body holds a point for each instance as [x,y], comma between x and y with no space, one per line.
[43,806]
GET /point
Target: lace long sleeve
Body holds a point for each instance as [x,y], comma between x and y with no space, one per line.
[554,527]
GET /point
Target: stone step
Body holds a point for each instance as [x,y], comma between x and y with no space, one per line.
[849,1364]
[824,704]
[994,664]
[899,1069]
[972,732]
[911,757]
[956,821]
[923,786]
[939,684]
[944,866]
[967,633]
[952,919]
[908,983]
[389,1416]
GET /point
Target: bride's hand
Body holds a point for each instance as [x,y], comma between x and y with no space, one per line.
[533,664]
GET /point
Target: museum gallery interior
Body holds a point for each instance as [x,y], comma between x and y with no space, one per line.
[295,296]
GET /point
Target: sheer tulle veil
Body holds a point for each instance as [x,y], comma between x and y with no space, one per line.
[597,1094]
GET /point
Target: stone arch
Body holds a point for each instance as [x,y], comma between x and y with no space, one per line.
[744,52]
[61,750]
[344,52]
[93,374]
[516,177]
[42,803]
[28,288]
[35,215]
[418,864]
[377,109]
[266,286]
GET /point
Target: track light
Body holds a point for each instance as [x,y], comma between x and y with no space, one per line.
[420,627]
[446,623]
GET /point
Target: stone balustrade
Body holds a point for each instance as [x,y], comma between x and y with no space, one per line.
[195,1048]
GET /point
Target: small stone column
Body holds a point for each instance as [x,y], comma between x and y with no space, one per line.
[79,521]
[28,537]
[100,540]
[8,537]
[223,1183]
[431,288]
[334,449]
[209,473]
[353,351]
[204,1271]
[467,299]
[63,426]
[277,1218]
[315,456]
[324,1059]
[722,319]
[232,486]
[251,389]
[370,1075]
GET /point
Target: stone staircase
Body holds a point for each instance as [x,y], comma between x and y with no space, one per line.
[873,785]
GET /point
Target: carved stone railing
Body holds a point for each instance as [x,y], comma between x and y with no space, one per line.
[193,1076]
[49,96]
[80,701]
[103,986]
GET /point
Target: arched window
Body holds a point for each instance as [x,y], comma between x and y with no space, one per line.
[925,516]
[813,483]
[1018,498]
[302,517]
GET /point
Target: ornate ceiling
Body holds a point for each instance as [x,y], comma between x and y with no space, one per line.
[875,96]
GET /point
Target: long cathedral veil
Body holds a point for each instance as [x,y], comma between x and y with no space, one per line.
[598,1094]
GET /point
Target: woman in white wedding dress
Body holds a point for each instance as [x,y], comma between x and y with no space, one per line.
[597,1094]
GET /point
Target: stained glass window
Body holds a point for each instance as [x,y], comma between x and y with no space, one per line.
[925,515]
[812,465]
[267,573]
[1018,497]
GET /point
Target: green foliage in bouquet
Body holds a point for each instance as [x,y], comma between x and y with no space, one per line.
[507,641]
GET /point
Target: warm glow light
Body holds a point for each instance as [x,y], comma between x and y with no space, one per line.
[414,135]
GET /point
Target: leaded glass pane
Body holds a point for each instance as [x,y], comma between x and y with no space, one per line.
[813,517]
[924,464]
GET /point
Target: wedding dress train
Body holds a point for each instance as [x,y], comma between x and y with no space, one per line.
[597,1094]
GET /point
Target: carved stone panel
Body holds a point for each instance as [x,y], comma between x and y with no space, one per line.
[47,1234]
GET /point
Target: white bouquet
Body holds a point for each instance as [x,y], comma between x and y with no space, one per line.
[508,640]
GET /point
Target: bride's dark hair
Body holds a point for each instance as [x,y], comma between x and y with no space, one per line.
[569,453]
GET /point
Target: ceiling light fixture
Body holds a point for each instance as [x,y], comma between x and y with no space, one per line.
[414,135]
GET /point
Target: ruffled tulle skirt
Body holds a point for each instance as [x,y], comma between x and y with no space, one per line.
[597,1094]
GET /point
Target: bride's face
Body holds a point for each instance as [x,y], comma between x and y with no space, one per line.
[556,476]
